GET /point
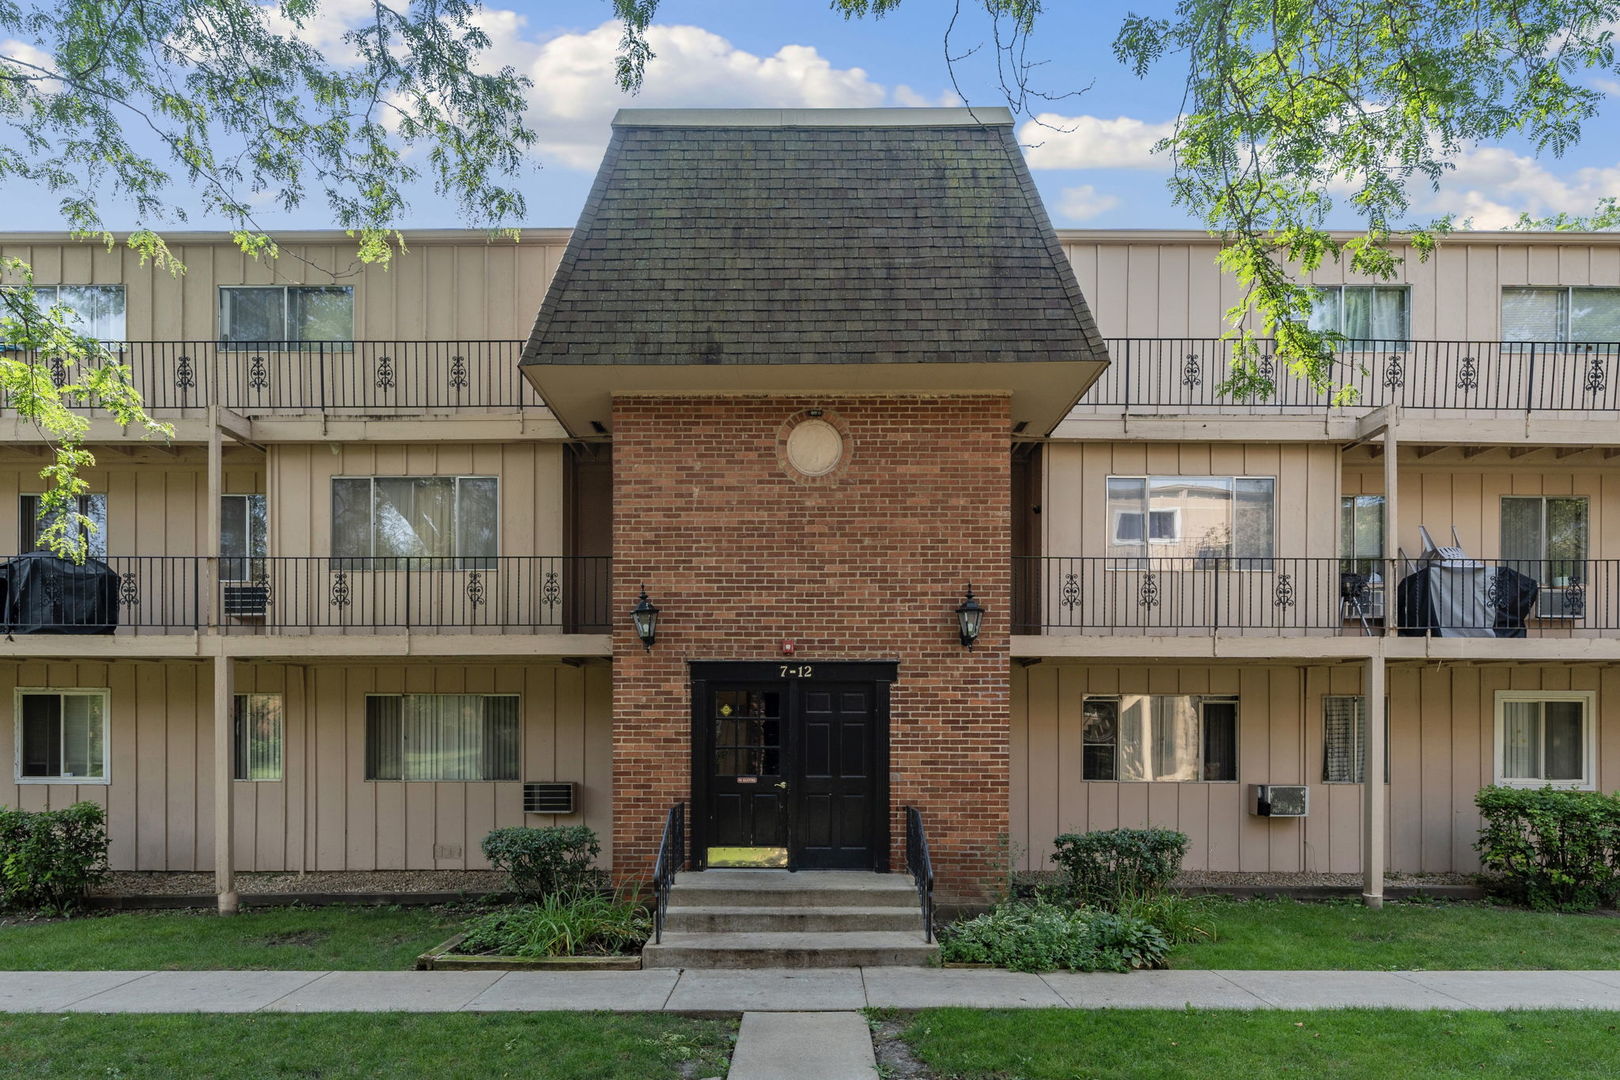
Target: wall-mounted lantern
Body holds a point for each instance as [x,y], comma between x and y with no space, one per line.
[645,617]
[969,617]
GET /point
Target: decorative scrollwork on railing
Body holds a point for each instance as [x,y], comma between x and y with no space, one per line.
[550,590]
[1069,597]
[1575,599]
[258,373]
[1192,371]
[1147,594]
[1493,591]
[185,375]
[1468,374]
[1267,367]
[458,373]
[385,373]
[129,590]
[1284,592]
[475,588]
[1597,379]
[1394,373]
[339,594]
[262,581]
[58,372]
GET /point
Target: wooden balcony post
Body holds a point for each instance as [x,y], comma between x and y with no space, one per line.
[224,774]
[1373,793]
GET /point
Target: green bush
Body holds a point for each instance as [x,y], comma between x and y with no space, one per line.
[50,858]
[582,925]
[1550,848]
[1183,920]
[1046,937]
[545,862]
[1103,868]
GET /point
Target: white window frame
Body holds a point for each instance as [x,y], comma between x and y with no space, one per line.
[344,344]
[56,294]
[1383,344]
[1588,700]
[93,540]
[104,693]
[1229,562]
[241,765]
[450,561]
[1566,315]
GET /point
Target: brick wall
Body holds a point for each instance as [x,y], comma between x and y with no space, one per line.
[866,563]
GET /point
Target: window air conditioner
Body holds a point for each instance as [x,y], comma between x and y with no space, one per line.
[1279,800]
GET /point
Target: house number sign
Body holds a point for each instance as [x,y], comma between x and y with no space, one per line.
[796,671]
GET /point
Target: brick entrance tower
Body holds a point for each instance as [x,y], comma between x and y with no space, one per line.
[811,337]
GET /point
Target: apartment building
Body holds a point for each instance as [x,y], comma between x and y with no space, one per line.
[821,388]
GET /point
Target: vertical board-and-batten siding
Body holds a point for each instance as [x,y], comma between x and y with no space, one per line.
[1442,730]
[1171,287]
[466,288]
[324,815]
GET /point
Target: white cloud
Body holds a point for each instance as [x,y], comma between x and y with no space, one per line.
[1084,203]
[1093,142]
[1493,185]
[912,99]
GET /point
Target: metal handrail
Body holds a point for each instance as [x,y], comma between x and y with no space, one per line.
[671,858]
[921,866]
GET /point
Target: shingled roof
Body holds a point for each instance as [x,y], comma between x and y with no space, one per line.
[800,237]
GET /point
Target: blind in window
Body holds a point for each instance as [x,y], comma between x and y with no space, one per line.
[1594,315]
[444,737]
[260,737]
[1344,719]
[1533,314]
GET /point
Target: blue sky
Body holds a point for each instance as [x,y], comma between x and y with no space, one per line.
[1095,171]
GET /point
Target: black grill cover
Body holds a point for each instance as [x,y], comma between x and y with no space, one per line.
[42,594]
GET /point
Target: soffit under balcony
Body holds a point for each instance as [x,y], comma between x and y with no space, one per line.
[813,251]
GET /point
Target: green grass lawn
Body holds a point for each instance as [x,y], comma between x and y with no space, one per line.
[536,1046]
[1351,1044]
[355,938]
[1261,934]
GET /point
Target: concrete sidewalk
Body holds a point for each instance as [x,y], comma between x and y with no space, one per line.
[828,990]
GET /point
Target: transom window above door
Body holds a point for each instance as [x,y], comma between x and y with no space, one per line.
[1363,313]
[1561,314]
[377,520]
[267,315]
[1210,518]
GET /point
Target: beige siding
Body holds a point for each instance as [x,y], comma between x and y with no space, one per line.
[324,815]
[1442,727]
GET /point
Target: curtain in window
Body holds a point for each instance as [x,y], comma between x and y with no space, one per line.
[1175,738]
[385,738]
[446,737]
[82,735]
[1566,540]
[98,310]
[1254,521]
[242,539]
[1374,313]
[1135,725]
[1594,315]
[260,736]
[1565,750]
[1361,533]
[1325,311]
[476,523]
[1533,314]
[414,515]
[253,314]
[1344,722]
[92,507]
[351,518]
[321,313]
[1521,740]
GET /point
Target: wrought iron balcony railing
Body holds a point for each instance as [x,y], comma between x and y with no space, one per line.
[1314,596]
[1170,375]
[1185,375]
[164,594]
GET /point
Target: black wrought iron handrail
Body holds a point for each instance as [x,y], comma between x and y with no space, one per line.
[671,860]
[921,866]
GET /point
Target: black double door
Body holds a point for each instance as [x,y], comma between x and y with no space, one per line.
[791,770]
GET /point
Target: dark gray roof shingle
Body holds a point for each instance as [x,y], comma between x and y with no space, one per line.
[819,244]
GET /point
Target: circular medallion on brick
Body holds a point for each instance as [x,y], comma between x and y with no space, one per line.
[814,448]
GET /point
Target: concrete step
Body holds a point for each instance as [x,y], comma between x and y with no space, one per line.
[825,949]
[781,888]
[710,919]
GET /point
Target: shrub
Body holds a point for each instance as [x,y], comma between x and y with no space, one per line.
[1102,868]
[1181,919]
[561,925]
[50,858]
[546,862]
[1045,937]
[1550,848]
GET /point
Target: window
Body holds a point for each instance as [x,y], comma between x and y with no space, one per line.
[260,736]
[1159,737]
[1361,534]
[1203,517]
[441,737]
[1545,537]
[1344,739]
[96,311]
[242,543]
[1544,738]
[1362,313]
[1561,314]
[404,517]
[62,735]
[92,510]
[275,314]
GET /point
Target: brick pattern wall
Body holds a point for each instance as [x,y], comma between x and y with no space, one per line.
[866,563]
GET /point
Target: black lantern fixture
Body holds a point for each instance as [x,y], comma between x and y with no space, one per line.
[969,617]
[645,616]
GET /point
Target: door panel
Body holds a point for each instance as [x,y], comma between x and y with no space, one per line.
[834,802]
[745,732]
